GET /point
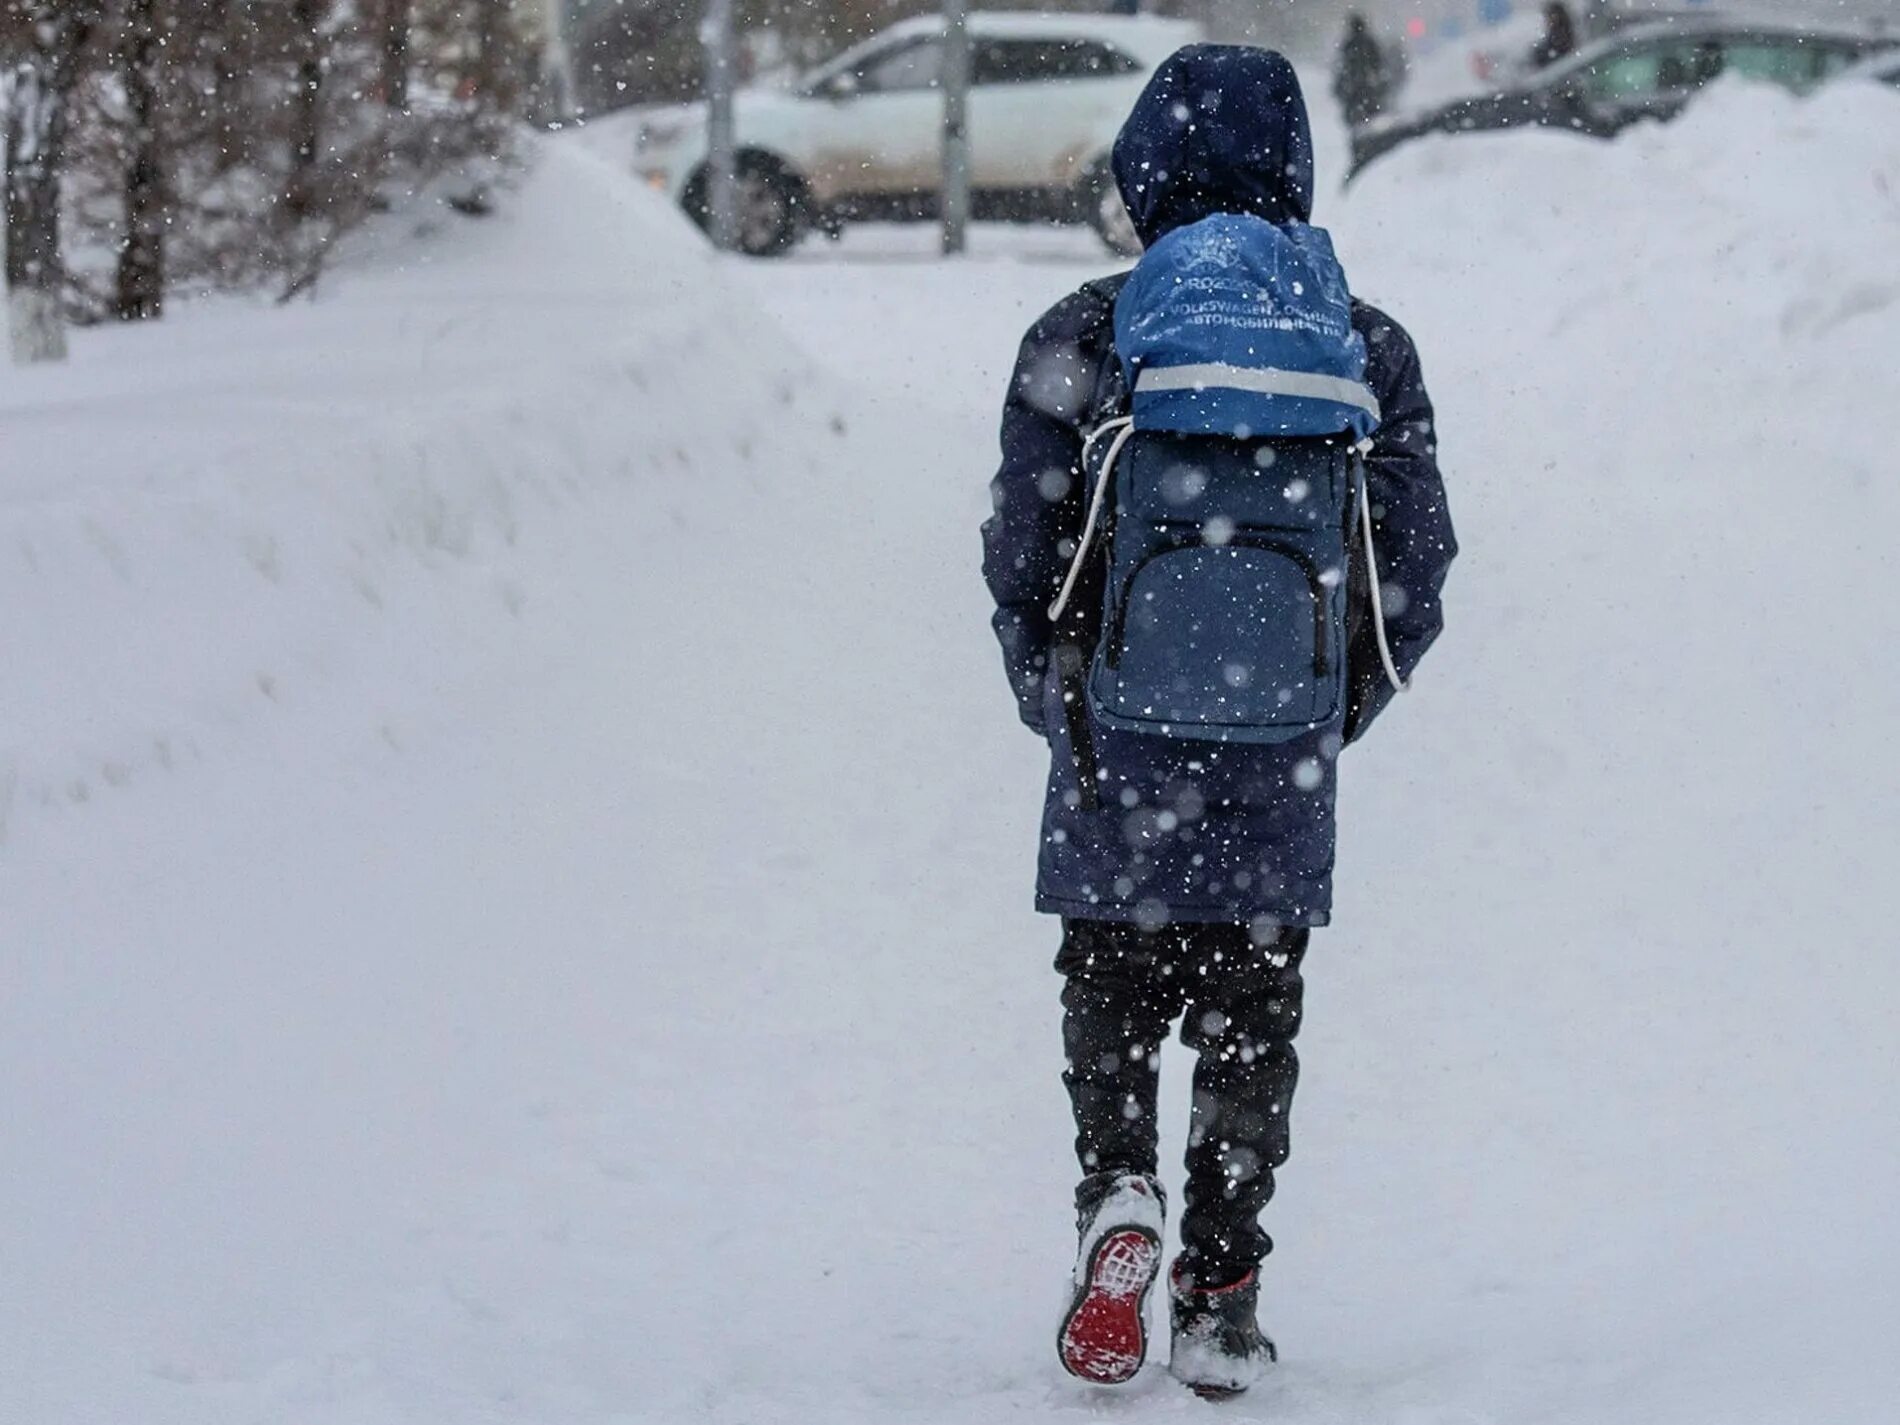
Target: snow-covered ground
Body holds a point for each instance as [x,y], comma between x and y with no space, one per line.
[516,854]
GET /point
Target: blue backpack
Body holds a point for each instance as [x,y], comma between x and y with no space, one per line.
[1236,477]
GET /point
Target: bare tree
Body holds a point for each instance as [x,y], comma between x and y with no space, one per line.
[306,106]
[158,146]
[397,22]
[141,276]
[228,27]
[51,36]
[509,35]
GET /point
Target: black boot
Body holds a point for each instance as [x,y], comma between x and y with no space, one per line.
[1104,1336]
[1219,1349]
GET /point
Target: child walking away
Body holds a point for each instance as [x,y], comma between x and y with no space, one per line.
[1218,543]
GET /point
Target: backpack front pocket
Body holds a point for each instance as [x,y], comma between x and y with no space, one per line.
[1234,636]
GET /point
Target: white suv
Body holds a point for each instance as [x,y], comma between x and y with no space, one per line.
[860,139]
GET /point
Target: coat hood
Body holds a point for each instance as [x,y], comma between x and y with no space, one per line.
[1218,129]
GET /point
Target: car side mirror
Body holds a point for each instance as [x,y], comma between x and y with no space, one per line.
[842,88]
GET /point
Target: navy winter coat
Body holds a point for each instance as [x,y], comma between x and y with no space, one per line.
[1196,831]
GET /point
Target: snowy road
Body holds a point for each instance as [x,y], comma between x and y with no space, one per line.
[594,981]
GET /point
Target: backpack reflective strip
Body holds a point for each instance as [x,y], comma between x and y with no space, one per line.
[1265,381]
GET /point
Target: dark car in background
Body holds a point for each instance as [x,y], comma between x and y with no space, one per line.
[1651,70]
[1883,68]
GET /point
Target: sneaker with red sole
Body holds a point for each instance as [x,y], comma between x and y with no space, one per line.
[1104,1336]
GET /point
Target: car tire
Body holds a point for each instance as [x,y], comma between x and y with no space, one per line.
[1102,207]
[774,207]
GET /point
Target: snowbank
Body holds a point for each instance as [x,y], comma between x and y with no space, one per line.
[410,707]
[1621,873]
[238,512]
[1777,209]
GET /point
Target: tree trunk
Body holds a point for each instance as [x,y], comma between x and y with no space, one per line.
[141,295]
[395,85]
[227,33]
[36,120]
[306,137]
[486,74]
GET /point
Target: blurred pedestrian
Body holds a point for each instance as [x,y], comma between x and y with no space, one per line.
[1559,39]
[1362,75]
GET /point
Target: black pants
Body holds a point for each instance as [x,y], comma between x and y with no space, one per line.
[1240,1005]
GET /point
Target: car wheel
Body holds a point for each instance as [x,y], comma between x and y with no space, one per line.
[771,206]
[1108,215]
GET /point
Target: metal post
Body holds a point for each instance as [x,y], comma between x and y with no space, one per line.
[557,64]
[721,44]
[956,125]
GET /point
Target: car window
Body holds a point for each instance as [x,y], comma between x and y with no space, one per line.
[1793,66]
[914,64]
[1625,76]
[1653,71]
[1027,61]
[1830,60]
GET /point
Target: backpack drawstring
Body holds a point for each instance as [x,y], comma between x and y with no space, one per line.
[1123,426]
[1372,571]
